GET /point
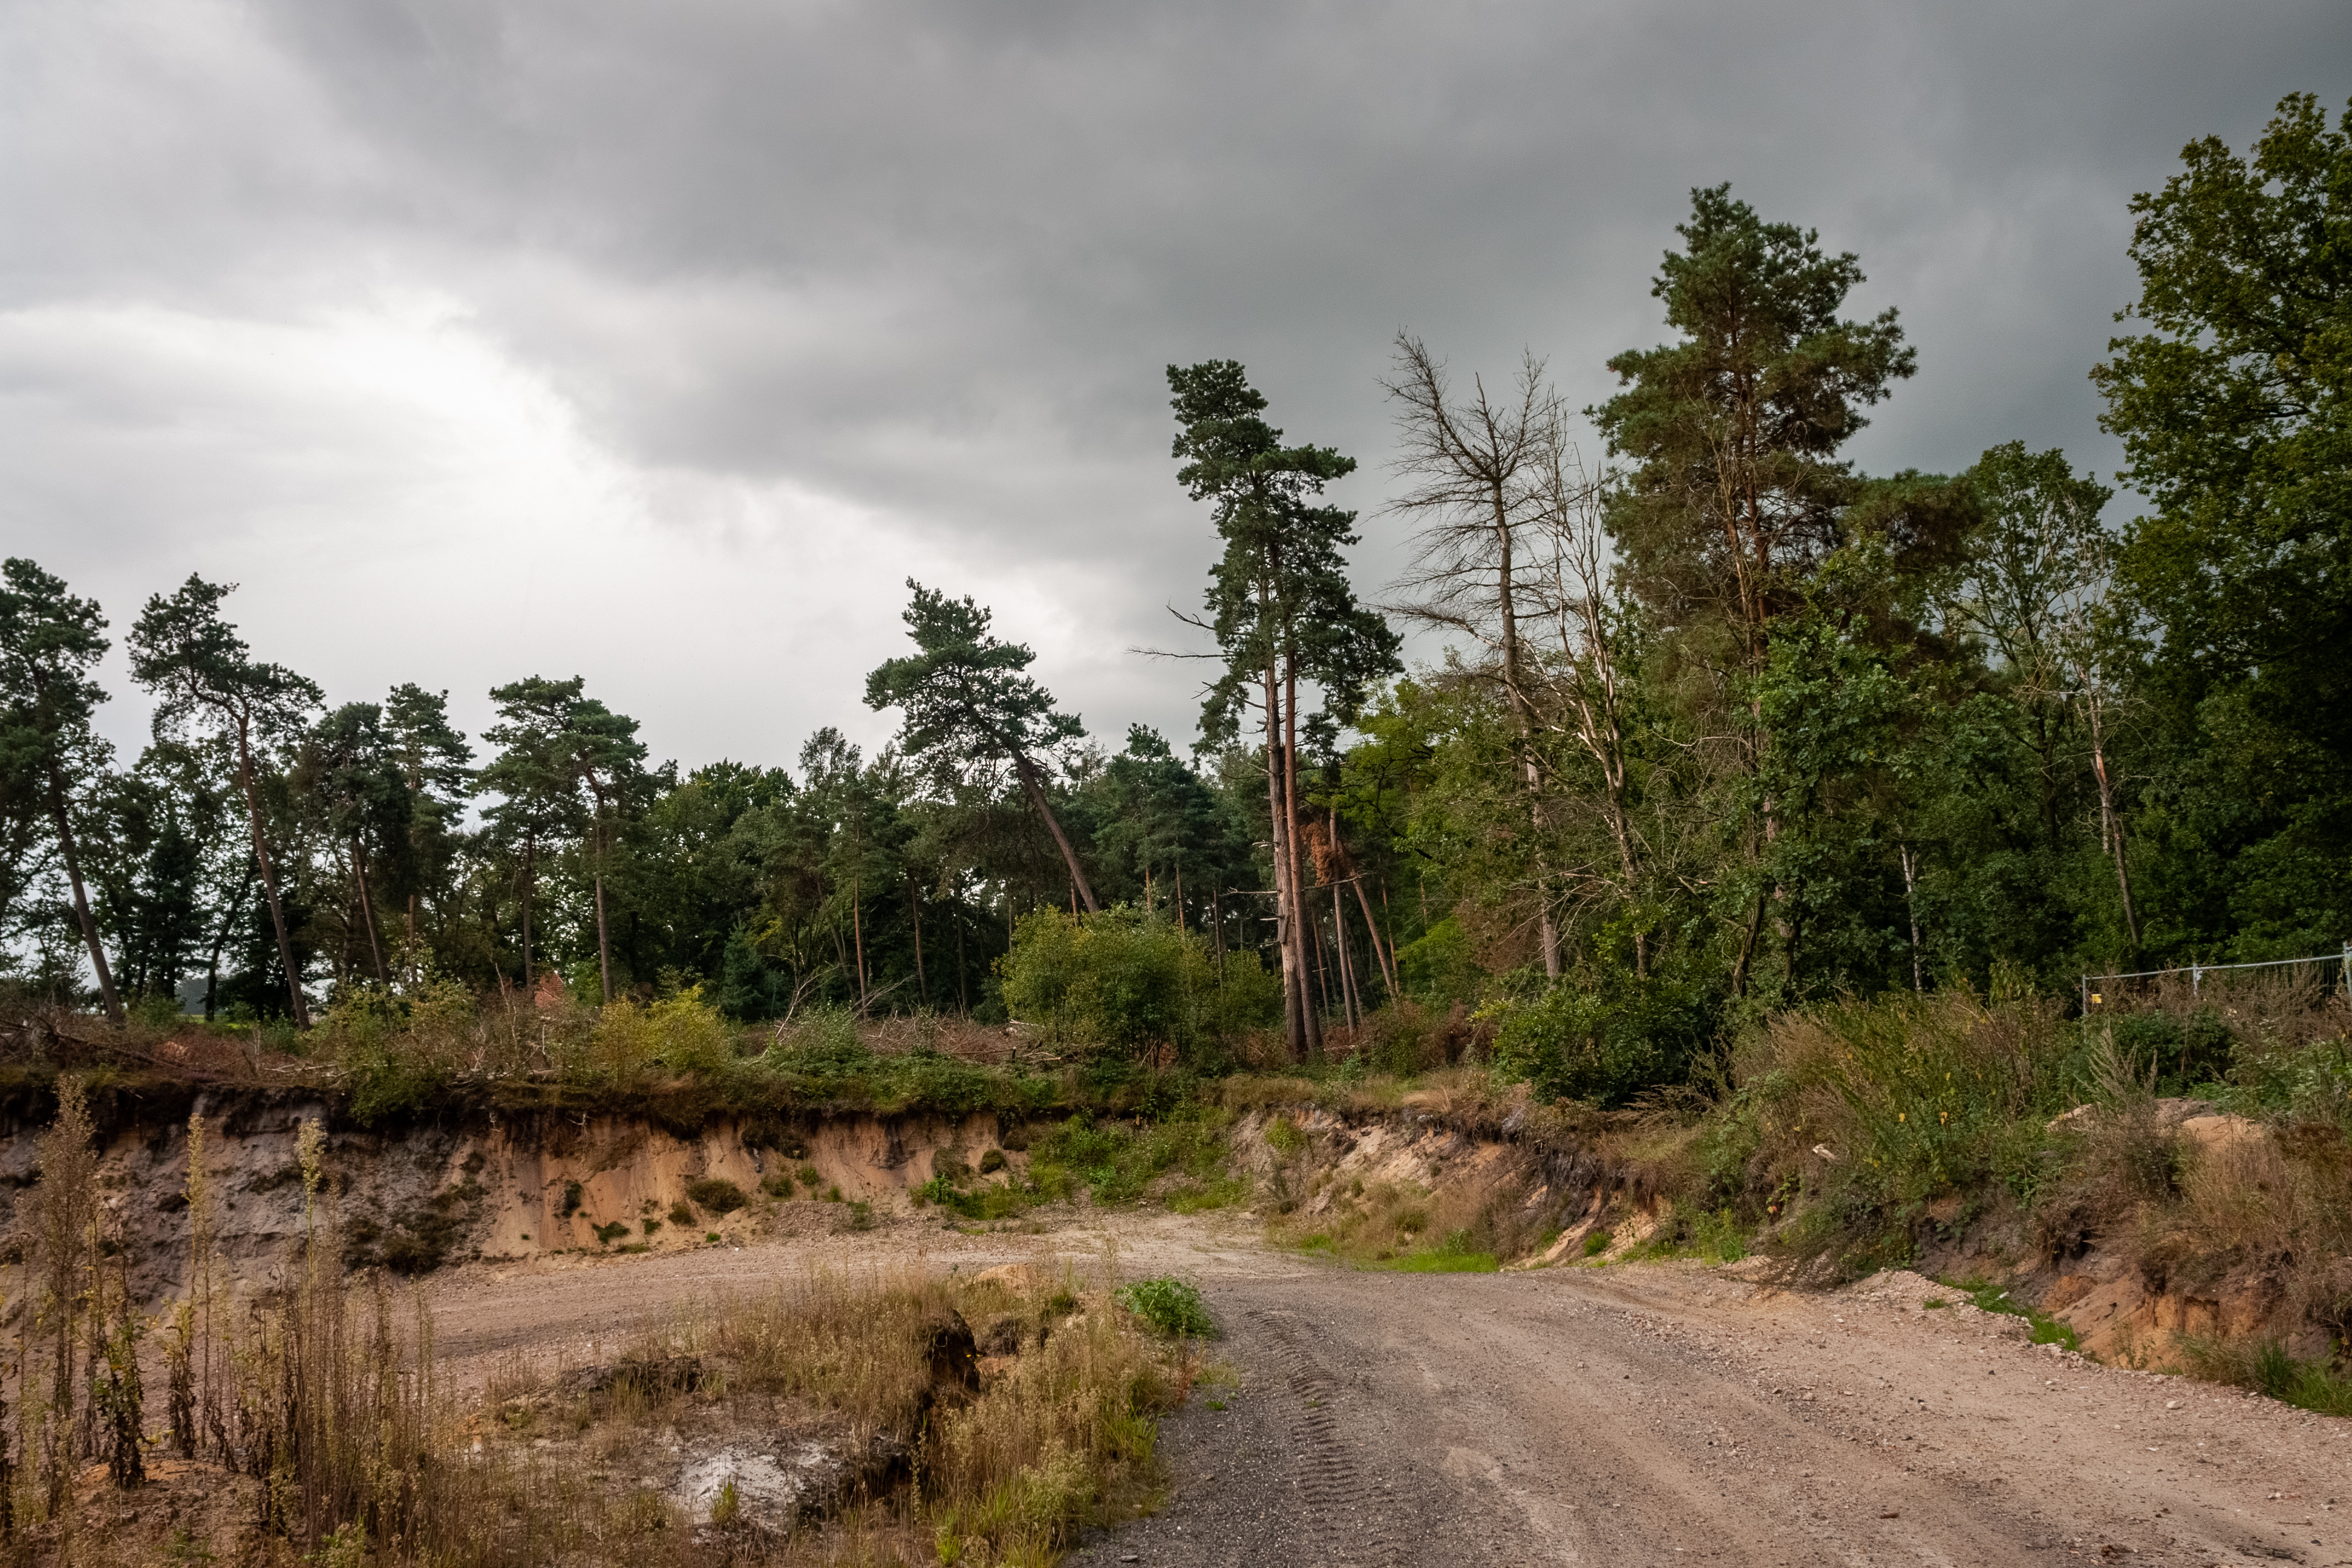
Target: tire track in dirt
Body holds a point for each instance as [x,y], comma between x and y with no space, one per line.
[1342,1507]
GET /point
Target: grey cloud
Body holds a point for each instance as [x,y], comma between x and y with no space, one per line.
[930,260]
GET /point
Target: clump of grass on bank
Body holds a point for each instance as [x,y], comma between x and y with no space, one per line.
[1849,1121]
[1181,1153]
[2264,1365]
[1988,1297]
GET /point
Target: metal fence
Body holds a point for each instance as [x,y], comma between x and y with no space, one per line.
[2341,963]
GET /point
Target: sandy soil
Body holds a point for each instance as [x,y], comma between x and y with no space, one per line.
[1633,1414]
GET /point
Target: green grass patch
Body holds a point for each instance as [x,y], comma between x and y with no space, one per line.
[1718,1237]
[1220,1194]
[2265,1366]
[1990,1297]
[1445,1263]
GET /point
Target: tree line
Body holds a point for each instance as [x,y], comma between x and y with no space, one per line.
[1723,722]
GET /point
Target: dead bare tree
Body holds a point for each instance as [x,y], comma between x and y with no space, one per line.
[1478,468]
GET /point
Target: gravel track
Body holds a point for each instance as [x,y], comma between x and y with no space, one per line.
[1651,1413]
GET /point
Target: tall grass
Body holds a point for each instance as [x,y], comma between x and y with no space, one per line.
[1849,1120]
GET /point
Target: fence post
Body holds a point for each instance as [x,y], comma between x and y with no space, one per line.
[2086,986]
[2195,981]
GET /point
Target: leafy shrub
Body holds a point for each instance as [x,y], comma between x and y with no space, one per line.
[1171,1306]
[1604,1047]
[681,1034]
[1128,980]
[1438,967]
[716,1193]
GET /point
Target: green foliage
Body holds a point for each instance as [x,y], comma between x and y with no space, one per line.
[2264,1365]
[1437,967]
[1128,981]
[1914,1099]
[1171,1306]
[1454,1255]
[1990,1297]
[1602,1047]
[681,1034]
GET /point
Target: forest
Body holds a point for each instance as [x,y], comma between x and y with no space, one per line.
[1725,725]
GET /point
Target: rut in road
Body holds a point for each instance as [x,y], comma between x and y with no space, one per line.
[1341,1507]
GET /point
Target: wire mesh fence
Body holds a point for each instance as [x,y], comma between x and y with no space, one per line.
[2328,970]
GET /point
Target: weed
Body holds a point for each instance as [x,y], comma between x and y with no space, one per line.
[1596,1242]
[609,1234]
[1444,1260]
[1215,1194]
[1171,1306]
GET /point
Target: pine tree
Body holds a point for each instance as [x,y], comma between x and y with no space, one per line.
[203,675]
[50,643]
[1282,612]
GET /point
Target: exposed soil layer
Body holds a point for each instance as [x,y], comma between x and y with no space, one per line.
[420,1197]
[1632,1414]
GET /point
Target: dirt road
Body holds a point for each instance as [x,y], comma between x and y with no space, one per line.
[1642,1415]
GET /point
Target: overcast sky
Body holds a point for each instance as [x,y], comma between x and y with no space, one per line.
[658,343]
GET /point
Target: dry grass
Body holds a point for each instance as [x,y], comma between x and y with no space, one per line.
[579,1467]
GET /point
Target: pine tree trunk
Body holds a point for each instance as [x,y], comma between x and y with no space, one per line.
[915,914]
[81,900]
[604,944]
[857,931]
[1313,1018]
[1285,918]
[530,877]
[367,912]
[269,878]
[2111,829]
[1035,791]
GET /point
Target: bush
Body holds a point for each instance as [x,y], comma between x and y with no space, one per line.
[1171,1306]
[1131,981]
[1604,1047]
[1913,1097]
[716,1194]
[682,1033]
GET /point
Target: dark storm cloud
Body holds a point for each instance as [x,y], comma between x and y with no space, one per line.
[466,333]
